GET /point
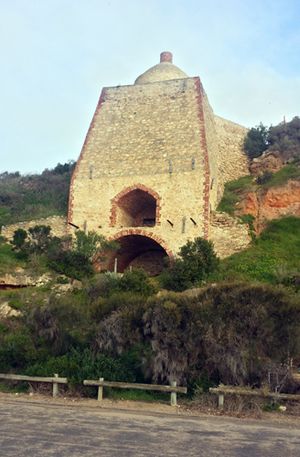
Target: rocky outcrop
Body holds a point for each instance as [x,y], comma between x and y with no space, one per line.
[58,226]
[272,203]
[270,161]
[6,311]
[21,279]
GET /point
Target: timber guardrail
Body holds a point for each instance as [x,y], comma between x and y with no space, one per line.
[173,389]
[296,375]
[55,380]
[222,391]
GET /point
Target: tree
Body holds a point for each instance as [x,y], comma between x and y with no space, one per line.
[196,260]
[90,244]
[19,238]
[256,141]
[40,238]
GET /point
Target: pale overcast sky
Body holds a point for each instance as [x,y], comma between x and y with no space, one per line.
[58,54]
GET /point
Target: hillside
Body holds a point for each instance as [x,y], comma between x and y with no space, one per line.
[227,325]
[272,257]
[268,196]
[27,197]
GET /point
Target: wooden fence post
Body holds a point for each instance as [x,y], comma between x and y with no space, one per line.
[100,391]
[173,394]
[55,387]
[221,401]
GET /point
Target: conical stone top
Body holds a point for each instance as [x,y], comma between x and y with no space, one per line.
[164,71]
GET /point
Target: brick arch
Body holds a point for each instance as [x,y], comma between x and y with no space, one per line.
[127,190]
[140,232]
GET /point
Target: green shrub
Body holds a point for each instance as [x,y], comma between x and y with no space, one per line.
[16,350]
[197,260]
[9,259]
[78,365]
[71,264]
[19,239]
[256,141]
[136,281]
[229,332]
[290,171]
[264,178]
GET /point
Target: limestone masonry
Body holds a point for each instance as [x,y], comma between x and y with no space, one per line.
[153,166]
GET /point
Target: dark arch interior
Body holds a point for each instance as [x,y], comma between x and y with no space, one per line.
[136,209]
[139,251]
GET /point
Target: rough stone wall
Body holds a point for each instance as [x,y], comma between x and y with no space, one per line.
[58,226]
[228,234]
[213,148]
[154,135]
[232,161]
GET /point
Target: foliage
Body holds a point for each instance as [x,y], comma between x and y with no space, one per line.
[90,244]
[234,191]
[78,365]
[72,264]
[196,260]
[73,261]
[39,238]
[256,141]
[136,281]
[285,139]
[290,171]
[28,197]
[19,238]
[16,349]
[264,178]
[229,332]
[9,260]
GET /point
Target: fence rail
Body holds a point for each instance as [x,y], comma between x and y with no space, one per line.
[55,380]
[222,391]
[173,389]
[296,375]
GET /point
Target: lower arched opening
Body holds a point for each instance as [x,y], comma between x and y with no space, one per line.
[138,251]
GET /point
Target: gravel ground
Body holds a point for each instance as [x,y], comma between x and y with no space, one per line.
[42,427]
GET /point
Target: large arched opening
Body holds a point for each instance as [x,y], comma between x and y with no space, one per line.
[136,209]
[138,251]
[135,206]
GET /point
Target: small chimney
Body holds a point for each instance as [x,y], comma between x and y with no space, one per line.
[166,56]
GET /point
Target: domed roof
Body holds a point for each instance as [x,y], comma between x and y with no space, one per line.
[163,71]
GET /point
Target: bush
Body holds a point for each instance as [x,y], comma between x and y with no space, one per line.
[285,139]
[78,365]
[72,264]
[136,281]
[197,260]
[19,238]
[264,178]
[16,350]
[227,333]
[256,141]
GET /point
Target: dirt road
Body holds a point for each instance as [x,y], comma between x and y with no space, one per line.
[37,430]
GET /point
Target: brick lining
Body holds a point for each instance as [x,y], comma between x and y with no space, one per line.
[203,142]
[74,175]
[137,231]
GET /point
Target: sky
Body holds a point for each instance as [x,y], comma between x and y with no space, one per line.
[58,54]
